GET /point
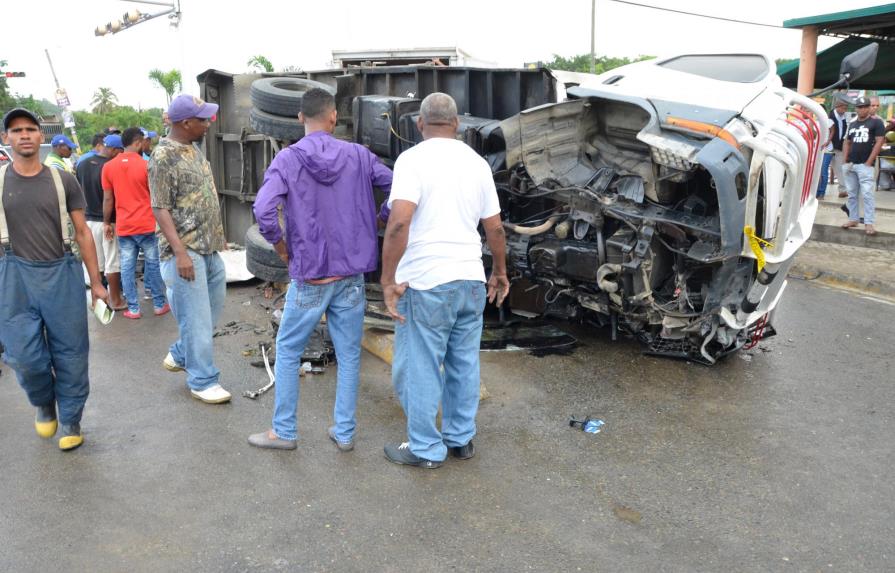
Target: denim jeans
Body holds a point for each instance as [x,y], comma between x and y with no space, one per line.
[197,306]
[859,178]
[824,174]
[344,303]
[43,329]
[129,247]
[437,361]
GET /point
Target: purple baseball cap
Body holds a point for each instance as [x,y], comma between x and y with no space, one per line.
[62,140]
[186,107]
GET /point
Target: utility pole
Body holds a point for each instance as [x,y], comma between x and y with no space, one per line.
[593,33]
[63,102]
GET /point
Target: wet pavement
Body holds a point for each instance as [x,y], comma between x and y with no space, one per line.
[777,459]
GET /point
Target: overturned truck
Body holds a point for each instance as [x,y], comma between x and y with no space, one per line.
[665,199]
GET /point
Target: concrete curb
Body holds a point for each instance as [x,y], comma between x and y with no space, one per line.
[841,280]
[852,237]
[838,204]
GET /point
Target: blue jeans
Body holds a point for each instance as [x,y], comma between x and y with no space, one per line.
[858,178]
[437,361]
[344,303]
[824,174]
[197,306]
[43,328]
[129,247]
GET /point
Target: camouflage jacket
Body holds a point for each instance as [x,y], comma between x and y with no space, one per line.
[180,181]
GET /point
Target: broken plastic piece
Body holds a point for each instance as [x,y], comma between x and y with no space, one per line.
[589,425]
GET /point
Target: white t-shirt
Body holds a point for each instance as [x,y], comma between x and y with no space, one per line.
[453,189]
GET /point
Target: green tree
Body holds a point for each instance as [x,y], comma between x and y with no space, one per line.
[260,63]
[123,116]
[170,81]
[7,102]
[581,63]
[103,100]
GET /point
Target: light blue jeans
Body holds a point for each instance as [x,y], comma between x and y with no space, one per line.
[344,303]
[859,178]
[129,247]
[197,306]
[437,361]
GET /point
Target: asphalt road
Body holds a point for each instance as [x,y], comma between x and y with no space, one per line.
[777,459]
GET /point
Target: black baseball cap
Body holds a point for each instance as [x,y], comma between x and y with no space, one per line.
[16,113]
[862,102]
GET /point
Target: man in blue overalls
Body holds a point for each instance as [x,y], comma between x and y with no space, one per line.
[43,317]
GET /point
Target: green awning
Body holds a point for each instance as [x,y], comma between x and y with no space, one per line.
[847,21]
[828,61]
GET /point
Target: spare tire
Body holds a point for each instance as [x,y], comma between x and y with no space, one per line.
[262,260]
[278,127]
[282,95]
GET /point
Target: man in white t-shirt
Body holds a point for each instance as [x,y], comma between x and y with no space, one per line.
[434,285]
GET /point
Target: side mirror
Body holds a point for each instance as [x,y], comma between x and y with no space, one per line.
[859,62]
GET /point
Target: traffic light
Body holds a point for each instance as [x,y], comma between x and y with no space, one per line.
[14,74]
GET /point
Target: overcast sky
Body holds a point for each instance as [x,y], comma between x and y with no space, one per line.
[224,35]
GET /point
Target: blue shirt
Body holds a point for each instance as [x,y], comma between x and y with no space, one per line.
[87,155]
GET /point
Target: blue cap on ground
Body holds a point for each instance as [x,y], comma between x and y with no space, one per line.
[62,140]
[187,107]
[114,141]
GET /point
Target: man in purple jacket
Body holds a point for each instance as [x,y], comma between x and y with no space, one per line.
[326,188]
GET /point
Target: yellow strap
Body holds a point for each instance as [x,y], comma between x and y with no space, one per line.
[755,243]
[64,219]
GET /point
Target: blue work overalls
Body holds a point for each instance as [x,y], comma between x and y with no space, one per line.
[43,320]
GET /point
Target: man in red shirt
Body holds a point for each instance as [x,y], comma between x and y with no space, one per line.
[125,183]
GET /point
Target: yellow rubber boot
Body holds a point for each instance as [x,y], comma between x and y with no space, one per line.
[45,421]
[71,437]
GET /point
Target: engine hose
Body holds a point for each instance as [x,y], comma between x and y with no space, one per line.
[542,228]
[706,341]
[604,271]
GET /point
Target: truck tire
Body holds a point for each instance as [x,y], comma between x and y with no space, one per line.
[262,260]
[276,126]
[266,273]
[282,96]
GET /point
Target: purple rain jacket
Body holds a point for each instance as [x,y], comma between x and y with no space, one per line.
[326,187]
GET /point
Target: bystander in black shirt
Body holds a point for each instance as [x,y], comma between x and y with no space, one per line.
[863,134]
[90,176]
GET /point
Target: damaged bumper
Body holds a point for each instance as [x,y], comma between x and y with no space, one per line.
[672,222]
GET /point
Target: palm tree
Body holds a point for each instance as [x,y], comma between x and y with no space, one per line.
[103,101]
[260,63]
[170,81]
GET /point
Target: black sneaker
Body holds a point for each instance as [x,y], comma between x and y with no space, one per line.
[401,454]
[463,452]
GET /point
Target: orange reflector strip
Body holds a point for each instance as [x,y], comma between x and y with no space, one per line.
[702,127]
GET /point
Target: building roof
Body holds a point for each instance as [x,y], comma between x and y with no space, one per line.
[859,27]
[872,22]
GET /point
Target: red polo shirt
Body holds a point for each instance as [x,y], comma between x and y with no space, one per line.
[127,178]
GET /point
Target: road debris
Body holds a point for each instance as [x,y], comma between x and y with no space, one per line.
[253,394]
[589,425]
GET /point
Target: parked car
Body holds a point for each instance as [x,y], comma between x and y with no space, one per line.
[664,199]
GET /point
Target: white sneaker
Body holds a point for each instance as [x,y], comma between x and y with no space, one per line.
[212,395]
[171,365]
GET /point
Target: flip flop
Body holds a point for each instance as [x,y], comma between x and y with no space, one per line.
[849,225]
[869,230]
[119,308]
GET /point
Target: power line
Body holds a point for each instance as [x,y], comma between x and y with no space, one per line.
[699,15]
